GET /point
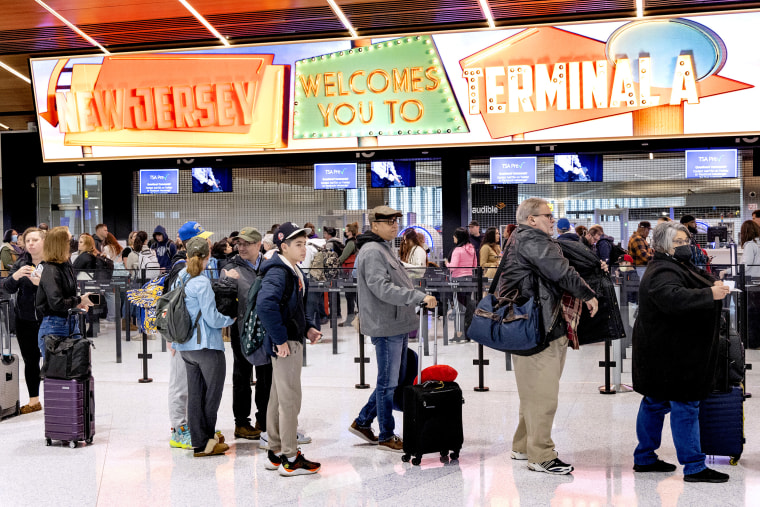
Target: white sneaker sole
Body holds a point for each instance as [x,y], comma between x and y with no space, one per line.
[299,471]
[269,465]
[536,467]
[518,455]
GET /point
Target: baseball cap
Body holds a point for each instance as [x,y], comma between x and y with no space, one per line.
[646,224]
[249,234]
[197,246]
[287,231]
[191,230]
[382,212]
[563,224]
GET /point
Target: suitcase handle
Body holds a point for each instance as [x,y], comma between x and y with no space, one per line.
[422,306]
[80,313]
[5,333]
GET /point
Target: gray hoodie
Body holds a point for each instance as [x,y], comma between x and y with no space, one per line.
[386,296]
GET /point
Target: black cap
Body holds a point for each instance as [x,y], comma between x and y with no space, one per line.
[286,231]
[645,224]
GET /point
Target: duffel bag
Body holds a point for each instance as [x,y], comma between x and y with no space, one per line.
[67,358]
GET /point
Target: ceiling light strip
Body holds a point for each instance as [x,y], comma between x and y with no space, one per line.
[343,19]
[73,26]
[15,73]
[6,127]
[204,22]
[487,13]
[639,8]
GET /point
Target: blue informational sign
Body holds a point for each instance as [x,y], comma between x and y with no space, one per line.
[334,176]
[711,163]
[513,170]
[159,181]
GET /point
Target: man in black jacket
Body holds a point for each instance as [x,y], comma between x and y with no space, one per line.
[534,260]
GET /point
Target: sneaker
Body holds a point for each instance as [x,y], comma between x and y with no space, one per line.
[303,439]
[248,432]
[657,466]
[518,455]
[273,461]
[363,432]
[394,444]
[706,475]
[299,466]
[554,466]
[213,448]
[264,441]
[177,440]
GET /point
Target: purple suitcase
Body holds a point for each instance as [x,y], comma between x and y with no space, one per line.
[69,410]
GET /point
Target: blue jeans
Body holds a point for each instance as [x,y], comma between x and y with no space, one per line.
[684,425]
[391,360]
[58,326]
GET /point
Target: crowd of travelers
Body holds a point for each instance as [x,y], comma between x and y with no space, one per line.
[568,269]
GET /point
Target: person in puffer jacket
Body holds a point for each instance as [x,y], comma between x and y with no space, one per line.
[164,248]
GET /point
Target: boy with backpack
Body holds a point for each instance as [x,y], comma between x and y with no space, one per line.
[286,324]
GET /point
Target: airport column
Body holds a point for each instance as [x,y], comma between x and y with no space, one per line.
[455,184]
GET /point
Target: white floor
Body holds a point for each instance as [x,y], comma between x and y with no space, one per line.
[131,463]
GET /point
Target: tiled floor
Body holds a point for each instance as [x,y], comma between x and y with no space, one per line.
[131,463]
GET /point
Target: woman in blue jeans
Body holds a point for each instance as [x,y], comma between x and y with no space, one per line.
[57,290]
[675,349]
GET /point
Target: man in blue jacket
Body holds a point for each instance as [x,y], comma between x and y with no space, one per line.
[286,324]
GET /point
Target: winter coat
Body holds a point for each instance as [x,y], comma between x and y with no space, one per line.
[675,337]
[165,250]
[489,258]
[607,322]
[463,258]
[533,257]
[385,293]
[57,292]
[27,291]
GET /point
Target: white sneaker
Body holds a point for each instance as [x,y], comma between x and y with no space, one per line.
[264,441]
[554,466]
[518,455]
[303,439]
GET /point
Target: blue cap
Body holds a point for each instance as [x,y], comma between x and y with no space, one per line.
[563,224]
[191,230]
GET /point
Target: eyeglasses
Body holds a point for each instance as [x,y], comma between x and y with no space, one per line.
[547,215]
[680,242]
[390,221]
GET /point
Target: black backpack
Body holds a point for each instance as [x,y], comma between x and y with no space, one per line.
[104,268]
[616,254]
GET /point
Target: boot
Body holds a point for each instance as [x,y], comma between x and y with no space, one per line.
[348,321]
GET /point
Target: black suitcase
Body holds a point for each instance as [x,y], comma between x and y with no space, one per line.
[721,424]
[432,412]
[9,368]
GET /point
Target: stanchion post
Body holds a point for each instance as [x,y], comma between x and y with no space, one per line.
[607,364]
[117,319]
[480,363]
[334,317]
[362,360]
[145,356]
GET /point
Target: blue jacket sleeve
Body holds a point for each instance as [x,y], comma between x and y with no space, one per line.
[268,305]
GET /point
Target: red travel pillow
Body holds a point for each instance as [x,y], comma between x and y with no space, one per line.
[442,372]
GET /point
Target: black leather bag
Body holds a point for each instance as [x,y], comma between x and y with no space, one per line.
[68,357]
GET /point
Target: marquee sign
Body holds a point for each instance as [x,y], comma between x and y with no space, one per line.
[608,80]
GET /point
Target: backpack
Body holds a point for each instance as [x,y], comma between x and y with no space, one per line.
[104,268]
[173,320]
[616,254]
[325,265]
[253,333]
[149,262]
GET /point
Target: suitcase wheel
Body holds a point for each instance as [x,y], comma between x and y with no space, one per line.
[734,460]
[416,460]
[89,440]
[48,442]
[405,458]
[73,444]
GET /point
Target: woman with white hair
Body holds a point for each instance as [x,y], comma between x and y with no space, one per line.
[675,349]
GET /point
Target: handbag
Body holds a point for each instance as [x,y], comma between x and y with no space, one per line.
[509,324]
[67,358]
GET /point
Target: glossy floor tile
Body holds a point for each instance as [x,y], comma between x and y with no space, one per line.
[130,462]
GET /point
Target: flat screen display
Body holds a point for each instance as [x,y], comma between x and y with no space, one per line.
[211,179]
[334,176]
[711,164]
[513,170]
[393,173]
[159,181]
[577,167]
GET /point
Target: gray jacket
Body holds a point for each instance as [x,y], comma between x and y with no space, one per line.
[386,296]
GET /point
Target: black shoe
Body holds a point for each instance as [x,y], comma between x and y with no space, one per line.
[706,475]
[657,466]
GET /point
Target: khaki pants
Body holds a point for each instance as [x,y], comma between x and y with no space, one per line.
[537,378]
[285,401]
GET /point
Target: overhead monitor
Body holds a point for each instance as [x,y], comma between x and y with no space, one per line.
[159,181]
[577,167]
[334,176]
[711,164]
[212,179]
[393,173]
[513,170]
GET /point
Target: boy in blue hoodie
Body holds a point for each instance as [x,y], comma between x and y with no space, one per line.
[164,248]
[286,326]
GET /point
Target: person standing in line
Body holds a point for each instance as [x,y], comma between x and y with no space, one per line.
[412,254]
[347,260]
[9,251]
[163,247]
[101,232]
[387,301]
[281,306]
[698,256]
[639,249]
[750,241]
[23,280]
[535,266]
[203,353]
[464,258]
[473,230]
[675,352]
[490,252]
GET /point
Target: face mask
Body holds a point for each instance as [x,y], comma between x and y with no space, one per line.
[682,253]
[692,230]
[14,238]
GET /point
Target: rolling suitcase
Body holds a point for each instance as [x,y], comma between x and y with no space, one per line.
[432,412]
[9,368]
[721,424]
[70,407]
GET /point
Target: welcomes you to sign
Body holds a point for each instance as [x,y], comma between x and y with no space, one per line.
[645,78]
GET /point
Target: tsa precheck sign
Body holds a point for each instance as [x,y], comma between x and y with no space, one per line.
[711,163]
[512,170]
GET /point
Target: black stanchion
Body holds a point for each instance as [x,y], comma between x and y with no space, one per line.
[444,317]
[334,295]
[508,360]
[117,320]
[607,364]
[145,356]
[362,360]
[480,363]
[422,333]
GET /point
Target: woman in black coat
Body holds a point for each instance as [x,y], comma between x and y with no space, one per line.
[607,321]
[675,350]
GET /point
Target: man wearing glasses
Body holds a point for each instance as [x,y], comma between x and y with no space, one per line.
[534,262]
[387,301]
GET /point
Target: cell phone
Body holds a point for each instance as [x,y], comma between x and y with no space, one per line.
[95,299]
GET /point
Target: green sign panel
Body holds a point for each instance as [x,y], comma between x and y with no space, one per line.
[392,88]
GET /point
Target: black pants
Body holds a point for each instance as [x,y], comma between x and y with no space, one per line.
[241,381]
[26,332]
[350,303]
[206,369]
[263,387]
